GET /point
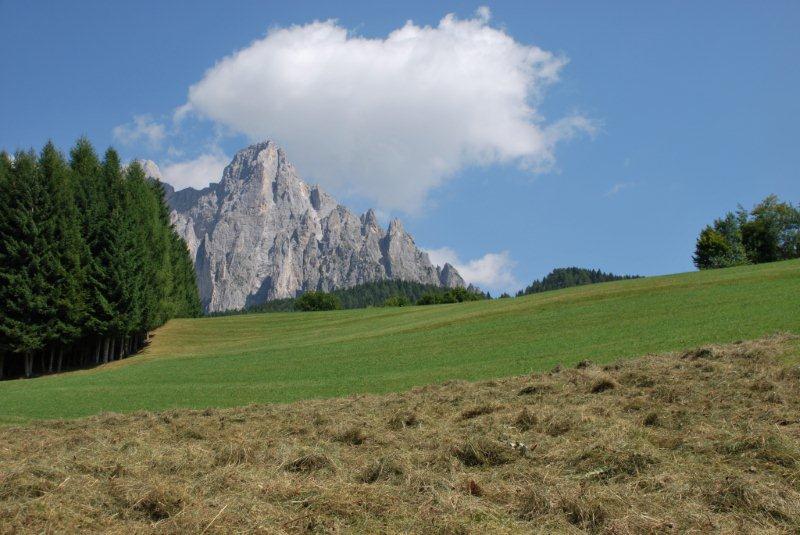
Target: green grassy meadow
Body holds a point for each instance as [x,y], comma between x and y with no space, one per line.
[281,357]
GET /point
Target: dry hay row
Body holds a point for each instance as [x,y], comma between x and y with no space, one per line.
[707,441]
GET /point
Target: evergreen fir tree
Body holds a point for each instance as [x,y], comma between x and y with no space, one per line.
[92,198]
[5,204]
[61,266]
[145,228]
[23,288]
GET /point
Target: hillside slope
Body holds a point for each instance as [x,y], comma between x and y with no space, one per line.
[230,361]
[706,441]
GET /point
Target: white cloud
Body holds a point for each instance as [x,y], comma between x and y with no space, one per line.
[196,173]
[492,271]
[174,152]
[619,186]
[483,13]
[389,118]
[143,128]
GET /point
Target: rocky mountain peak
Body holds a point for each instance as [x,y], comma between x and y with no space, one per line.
[151,169]
[369,218]
[396,228]
[369,222]
[450,277]
[262,233]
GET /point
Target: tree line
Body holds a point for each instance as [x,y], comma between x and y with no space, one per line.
[452,295]
[571,276]
[767,233]
[89,261]
[372,294]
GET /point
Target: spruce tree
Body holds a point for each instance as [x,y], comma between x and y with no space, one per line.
[142,229]
[185,294]
[23,288]
[61,266]
[5,171]
[120,254]
[92,198]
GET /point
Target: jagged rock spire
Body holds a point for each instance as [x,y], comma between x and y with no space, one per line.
[262,233]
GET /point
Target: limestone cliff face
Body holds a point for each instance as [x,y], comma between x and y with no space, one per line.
[262,233]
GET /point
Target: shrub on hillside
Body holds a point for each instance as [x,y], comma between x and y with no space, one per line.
[311,301]
[714,251]
[397,301]
[429,299]
[768,232]
[453,295]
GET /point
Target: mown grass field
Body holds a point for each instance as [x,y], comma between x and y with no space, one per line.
[238,360]
[703,441]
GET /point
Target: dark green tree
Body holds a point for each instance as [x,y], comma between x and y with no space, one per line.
[5,172]
[396,301]
[185,295]
[125,250]
[60,226]
[430,298]
[24,290]
[94,202]
[712,250]
[772,232]
[313,301]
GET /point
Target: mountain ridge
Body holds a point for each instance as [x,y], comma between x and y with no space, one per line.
[262,233]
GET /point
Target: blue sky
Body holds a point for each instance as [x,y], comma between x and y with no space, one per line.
[689,109]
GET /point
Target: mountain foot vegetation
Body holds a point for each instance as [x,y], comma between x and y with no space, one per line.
[372,294]
[701,441]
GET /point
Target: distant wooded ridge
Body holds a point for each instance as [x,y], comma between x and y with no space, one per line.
[389,293]
[89,262]
[571,276]
[371,294]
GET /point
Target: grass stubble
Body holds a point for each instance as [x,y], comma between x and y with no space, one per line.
[704,441]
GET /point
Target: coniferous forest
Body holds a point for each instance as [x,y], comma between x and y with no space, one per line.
[571,276]
[371,294]
[89,262]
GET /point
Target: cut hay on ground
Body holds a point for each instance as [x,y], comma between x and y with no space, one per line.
[707,441]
